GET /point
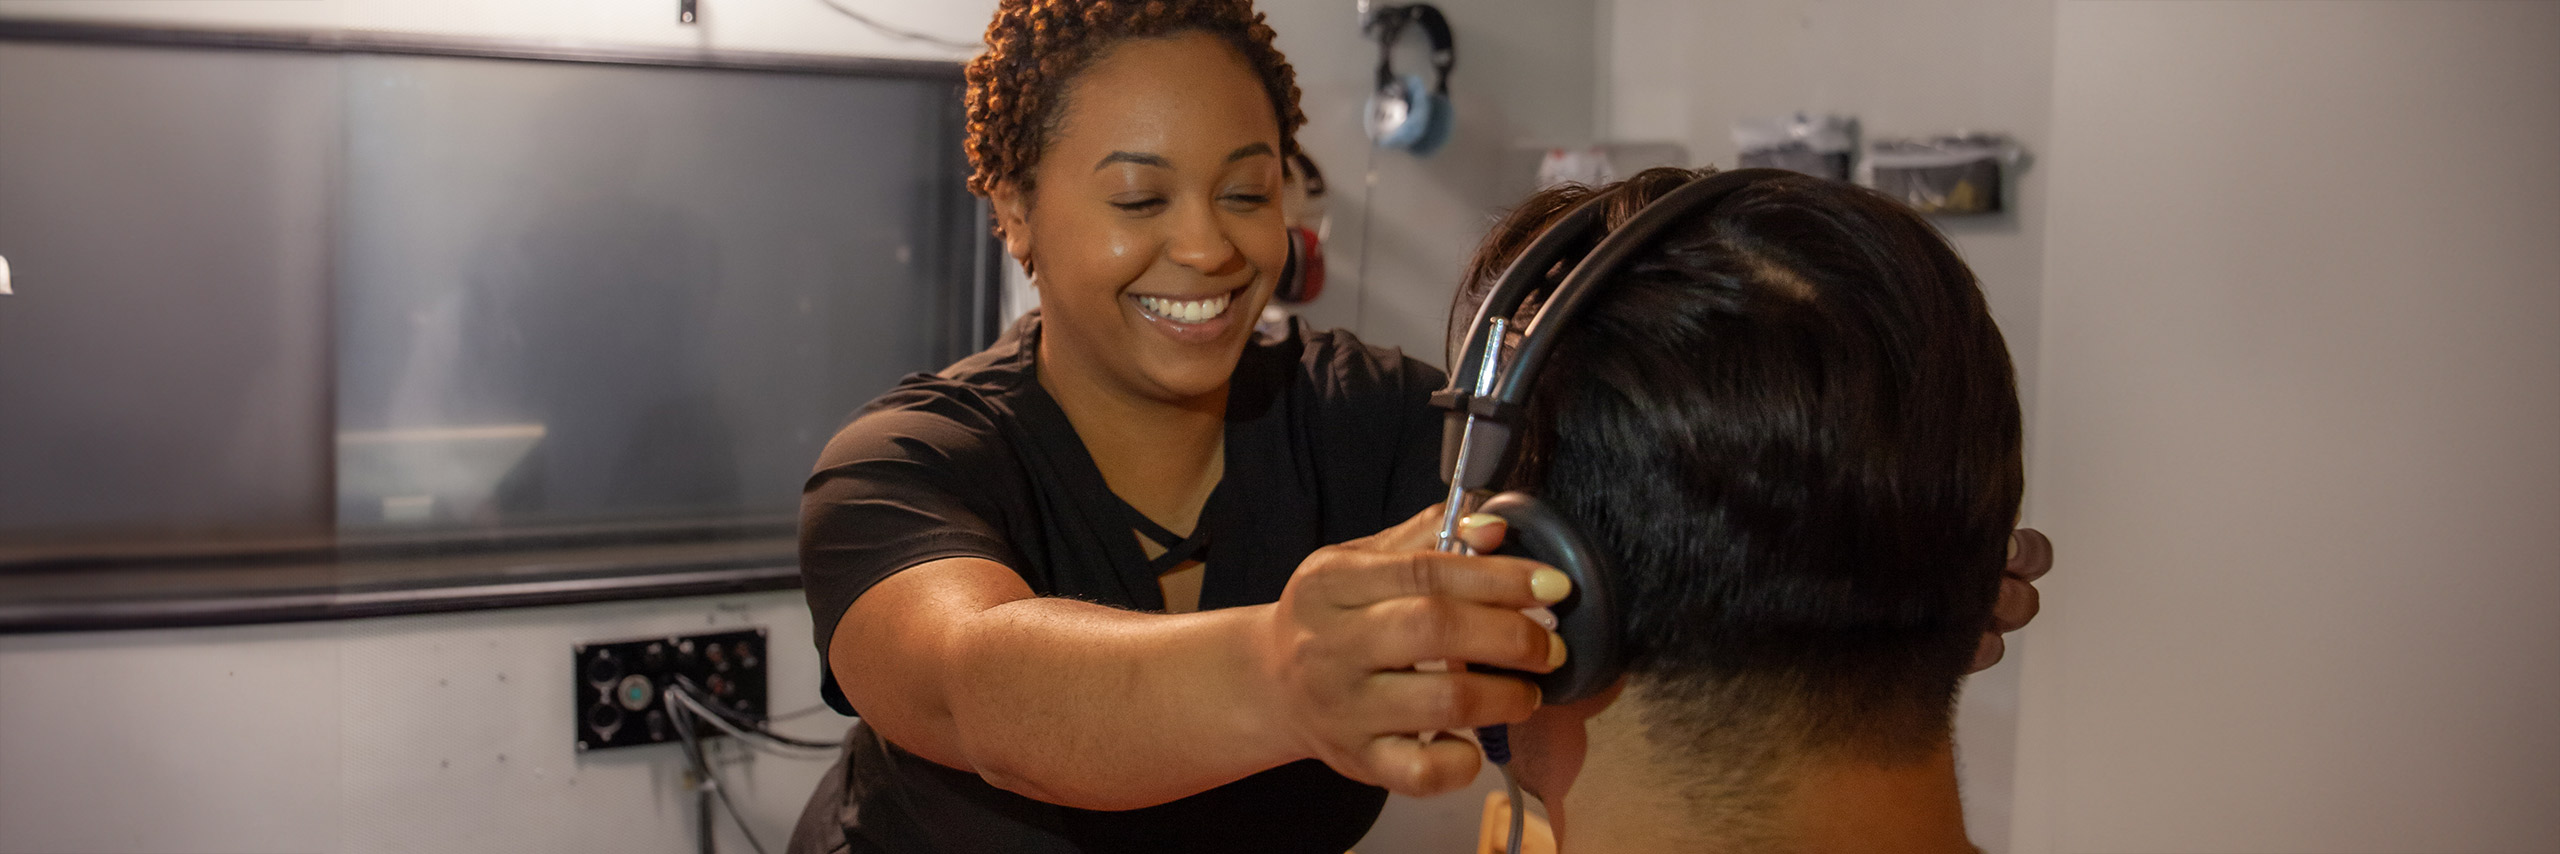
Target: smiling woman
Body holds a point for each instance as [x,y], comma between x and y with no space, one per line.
[1155,235]
[1132,579]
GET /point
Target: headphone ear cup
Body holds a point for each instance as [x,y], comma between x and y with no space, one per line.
[1387,113]
[1439,120]
[1589,618]
[1399,113]
[1303,279]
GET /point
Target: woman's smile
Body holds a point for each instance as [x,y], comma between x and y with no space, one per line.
[1190,320]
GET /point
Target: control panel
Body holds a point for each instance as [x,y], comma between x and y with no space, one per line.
[622,686]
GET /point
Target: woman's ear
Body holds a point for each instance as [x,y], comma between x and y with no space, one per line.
[1013,221]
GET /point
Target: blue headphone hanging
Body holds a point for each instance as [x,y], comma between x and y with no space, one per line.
[1405,111]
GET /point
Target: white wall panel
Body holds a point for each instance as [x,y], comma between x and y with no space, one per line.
[2300,383]
[183,740]
[433,733]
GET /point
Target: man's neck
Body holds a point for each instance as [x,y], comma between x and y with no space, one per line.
[1632,798]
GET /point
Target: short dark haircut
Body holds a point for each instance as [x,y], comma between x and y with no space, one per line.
[1794,425]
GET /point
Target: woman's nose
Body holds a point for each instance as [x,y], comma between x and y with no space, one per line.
[1200,242]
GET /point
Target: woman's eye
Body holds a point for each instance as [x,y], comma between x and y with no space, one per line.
[1137,206]
[1249,199]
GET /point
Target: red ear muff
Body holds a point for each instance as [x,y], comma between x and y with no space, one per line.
[1302,279]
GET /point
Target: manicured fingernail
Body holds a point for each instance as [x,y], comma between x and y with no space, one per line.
[1550,585]
[1478,520]
[1555,650]
[2013,545]
[1537,696]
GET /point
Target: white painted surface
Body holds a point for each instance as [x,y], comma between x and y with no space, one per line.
[2300,388]
[432,733]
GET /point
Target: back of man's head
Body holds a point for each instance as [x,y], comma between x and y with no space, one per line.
[1793,424]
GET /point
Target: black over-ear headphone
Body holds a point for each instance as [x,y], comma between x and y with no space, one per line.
[1488,392]
[1403,112]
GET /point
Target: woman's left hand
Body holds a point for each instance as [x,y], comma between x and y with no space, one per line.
[2030,557]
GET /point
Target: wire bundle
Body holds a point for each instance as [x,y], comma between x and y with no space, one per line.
[685,706]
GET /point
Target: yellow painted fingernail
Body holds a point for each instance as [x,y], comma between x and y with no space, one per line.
[2013,545]
[1555,650]
[1478,520]
[1550,585]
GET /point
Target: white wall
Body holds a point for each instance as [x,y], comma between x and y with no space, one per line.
[432,733]
[2301,383]
[385,734]
[1684,71]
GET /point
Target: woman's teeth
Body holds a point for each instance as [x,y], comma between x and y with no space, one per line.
[1187,311]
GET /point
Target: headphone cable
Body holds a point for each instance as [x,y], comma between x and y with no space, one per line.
[898,33]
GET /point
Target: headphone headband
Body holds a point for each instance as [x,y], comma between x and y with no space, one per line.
[1387,25]
[1585,225]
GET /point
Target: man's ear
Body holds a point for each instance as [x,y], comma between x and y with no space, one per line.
[1013,221]
[1550,747]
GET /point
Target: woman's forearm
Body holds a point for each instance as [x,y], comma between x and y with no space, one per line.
[1065,701]
[1088,706]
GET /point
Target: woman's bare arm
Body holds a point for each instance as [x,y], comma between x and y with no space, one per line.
[1084,705]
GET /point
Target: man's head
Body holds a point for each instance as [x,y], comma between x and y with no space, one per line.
[1793,425]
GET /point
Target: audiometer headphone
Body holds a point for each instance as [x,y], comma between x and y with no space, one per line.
[1403,111]
[1302,278]
[1489,390]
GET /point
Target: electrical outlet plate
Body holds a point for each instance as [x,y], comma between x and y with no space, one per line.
[621,686]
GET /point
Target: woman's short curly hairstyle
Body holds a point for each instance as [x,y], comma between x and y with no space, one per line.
[1017,88]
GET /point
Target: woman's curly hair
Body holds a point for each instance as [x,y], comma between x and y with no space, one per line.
[1017,88]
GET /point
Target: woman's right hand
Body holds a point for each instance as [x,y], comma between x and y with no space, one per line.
[1338,651]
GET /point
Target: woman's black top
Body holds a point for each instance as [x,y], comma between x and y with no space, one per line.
[1326,440]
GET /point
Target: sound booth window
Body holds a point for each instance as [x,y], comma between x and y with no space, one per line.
[421,296]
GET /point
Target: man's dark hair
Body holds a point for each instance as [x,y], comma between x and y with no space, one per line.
[1794,425]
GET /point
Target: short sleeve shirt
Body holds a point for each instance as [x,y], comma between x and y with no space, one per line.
[1326,440]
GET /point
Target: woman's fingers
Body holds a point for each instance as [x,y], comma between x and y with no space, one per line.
[2030,555]
[1412,701]
[1988,652]
[1408,766]
[1348,578]
[1481,532]
[2018,604]
[1403,631]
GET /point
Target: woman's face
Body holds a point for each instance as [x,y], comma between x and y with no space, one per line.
[1155,232]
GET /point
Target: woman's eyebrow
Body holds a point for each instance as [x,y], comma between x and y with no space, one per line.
[1158,160]
[1142,159]
[1249,150]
